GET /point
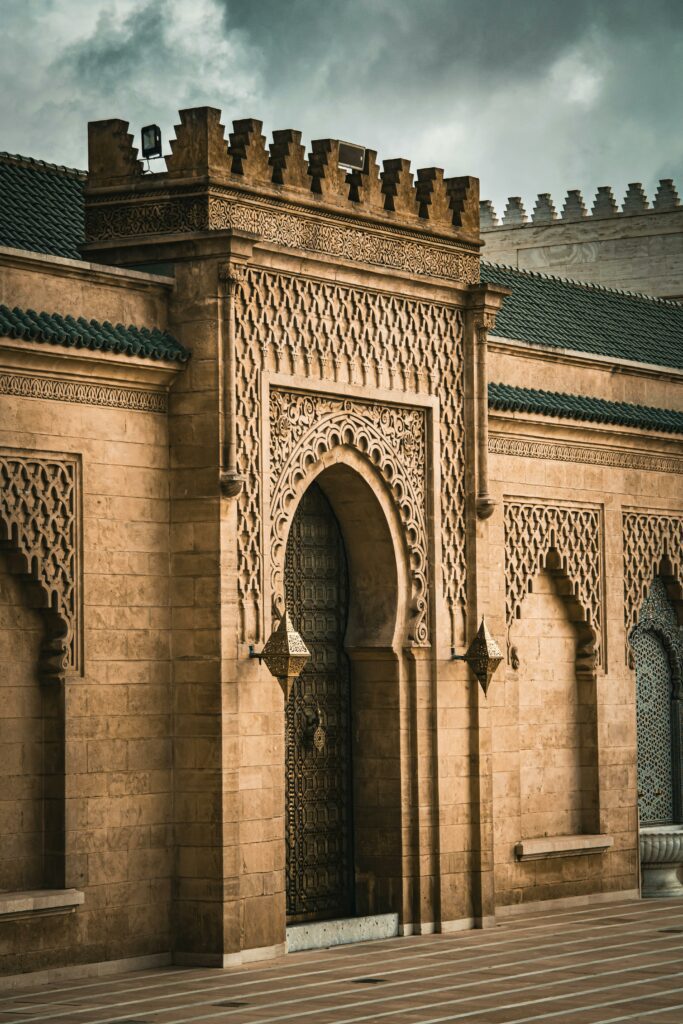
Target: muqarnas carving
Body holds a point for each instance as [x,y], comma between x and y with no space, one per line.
[39,530]
[391,437]
[567,540]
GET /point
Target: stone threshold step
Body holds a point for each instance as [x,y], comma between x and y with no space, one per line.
[321,934]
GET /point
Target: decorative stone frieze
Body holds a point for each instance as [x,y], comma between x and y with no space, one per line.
[58,389]
[305,426]
[500,444]
[532,530]
[39,527]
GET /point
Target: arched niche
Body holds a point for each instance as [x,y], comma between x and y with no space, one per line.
[377,624]
[553,671]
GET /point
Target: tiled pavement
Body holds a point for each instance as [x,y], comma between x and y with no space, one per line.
[593,965]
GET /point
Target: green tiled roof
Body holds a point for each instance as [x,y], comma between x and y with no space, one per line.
[41,206]
[53,329]
[580,407]
[588,318]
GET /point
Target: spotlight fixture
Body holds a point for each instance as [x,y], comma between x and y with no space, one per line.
[151,141]
[351,157]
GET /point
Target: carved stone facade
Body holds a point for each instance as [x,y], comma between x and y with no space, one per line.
[341,352]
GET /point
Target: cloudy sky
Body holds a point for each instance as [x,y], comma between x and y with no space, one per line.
[530,95]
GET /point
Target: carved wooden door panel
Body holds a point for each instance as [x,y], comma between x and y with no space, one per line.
[318,762]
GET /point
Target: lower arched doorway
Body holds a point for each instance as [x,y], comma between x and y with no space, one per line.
[319,815]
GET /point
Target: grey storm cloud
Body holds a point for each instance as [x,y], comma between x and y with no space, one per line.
[530,95]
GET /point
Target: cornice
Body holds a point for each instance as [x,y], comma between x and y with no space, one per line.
[28,370]
[560,427]
[95,273]
[570,357]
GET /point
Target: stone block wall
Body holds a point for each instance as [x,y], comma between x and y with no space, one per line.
[108,730]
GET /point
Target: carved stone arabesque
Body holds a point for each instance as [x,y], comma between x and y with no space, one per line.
[326,331]
[648,538]
[39,528]
[285,224]
[59,390]
[533,529]
[393,438]
[529,449]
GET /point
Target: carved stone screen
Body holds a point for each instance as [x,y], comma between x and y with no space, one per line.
[318,734]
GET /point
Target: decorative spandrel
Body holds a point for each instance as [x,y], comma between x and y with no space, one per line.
[285,654]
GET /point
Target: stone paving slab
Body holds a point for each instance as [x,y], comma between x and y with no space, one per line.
[607,964]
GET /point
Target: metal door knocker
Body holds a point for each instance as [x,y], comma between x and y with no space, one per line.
[313,732]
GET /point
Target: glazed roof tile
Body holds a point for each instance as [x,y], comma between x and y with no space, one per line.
[585,317]
[504,397]
[41,206]
[53,329]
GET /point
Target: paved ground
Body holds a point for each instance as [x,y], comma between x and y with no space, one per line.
[606,964]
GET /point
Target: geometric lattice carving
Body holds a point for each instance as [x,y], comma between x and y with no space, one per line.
[327,331]
[648,538]
[391,437]
[532,530]
[39,527]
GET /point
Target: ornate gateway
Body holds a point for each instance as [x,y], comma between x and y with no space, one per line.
[318,727]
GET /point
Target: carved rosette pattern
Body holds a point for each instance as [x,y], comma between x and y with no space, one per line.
[500,445]
[393,438]
[39,527]
[326,331]
[56,390]
[534,529]
[648,538]
[285,225]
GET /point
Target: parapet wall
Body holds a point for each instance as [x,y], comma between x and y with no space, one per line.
[638,247]
[207,174]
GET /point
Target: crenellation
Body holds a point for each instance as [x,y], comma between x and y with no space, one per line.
[250,158]
[487,214]
[432,196]
[288,159]
[328,179]
[366,186]
[111,153]
[514,211]
[398,188]
[635,200]
[464,199]
[604,204]
[199,148]
[219,166]
[544,210]
[574,207]
[667,196]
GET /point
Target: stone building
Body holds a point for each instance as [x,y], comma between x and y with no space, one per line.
[638,247]
[258,382]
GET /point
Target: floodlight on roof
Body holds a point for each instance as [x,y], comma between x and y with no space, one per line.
[151,141]
[351,156]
